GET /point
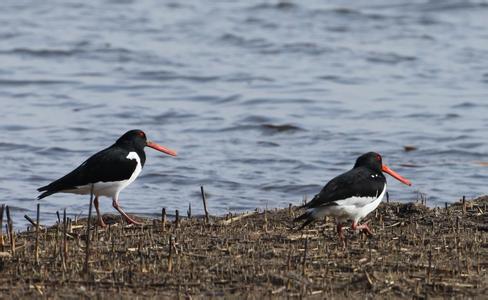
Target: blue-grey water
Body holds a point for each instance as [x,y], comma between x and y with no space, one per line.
[265,101]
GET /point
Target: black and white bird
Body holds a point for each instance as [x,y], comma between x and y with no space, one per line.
[109,171]
[352,195]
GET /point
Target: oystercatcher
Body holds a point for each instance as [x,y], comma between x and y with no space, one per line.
[351,195]
[109,171]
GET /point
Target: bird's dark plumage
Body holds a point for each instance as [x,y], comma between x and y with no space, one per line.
[353,194]
[107,165]
[357,182]
[108,172]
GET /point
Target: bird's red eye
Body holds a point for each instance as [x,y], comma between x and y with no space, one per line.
[141,134]
[378,157]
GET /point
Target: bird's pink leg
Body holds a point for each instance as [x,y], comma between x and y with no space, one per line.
[99,216]
[115,204]
[363,227]
[340,232]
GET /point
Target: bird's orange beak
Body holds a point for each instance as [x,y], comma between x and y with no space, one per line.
[160,148]
[397,176]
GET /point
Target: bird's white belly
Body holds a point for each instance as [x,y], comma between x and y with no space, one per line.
[110,188]
[354,208]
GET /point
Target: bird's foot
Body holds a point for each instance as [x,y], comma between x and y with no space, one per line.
[129,220]
[101,223]
[363,227]
[367,231]
[132,221]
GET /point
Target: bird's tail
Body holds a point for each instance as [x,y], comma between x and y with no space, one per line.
[45,194]
[307,216]
[48,190]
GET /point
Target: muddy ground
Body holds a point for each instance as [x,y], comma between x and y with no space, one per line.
[416,252]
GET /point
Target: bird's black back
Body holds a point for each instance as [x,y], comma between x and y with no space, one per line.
[110,164]
[358,182]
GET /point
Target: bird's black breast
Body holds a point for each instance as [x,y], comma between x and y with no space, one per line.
[358,182]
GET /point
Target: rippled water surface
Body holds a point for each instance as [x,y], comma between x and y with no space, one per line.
[265,101]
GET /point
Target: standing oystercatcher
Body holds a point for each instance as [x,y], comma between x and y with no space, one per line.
[352,195]
[110,171]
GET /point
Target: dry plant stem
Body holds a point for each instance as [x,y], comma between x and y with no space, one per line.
[37,233]
[237,218]
[266,220]
[10,231]
[170,255]
[304,262]
[204,199]
[2,208]
[33,223]
[87,249]
[65,240]
[177,219]
[163,218]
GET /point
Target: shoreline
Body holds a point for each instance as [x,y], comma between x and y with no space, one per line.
[416,251]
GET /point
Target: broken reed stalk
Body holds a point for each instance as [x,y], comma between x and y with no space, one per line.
[170,255]
[65,240]
[30,220]
[189,210]
[1,227]
[228,220]
[6,230]
[464,205]
[204,199]
[55,248]
[11,235]
[87,253]
[163,217]
[305,257]
[177,218]
[37,232]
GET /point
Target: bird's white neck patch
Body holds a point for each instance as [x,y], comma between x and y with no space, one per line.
[137,171]
[133,155]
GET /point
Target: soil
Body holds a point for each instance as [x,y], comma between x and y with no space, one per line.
[415,252]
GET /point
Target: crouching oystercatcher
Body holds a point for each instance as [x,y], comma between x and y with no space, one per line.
[109,171]
[351,195]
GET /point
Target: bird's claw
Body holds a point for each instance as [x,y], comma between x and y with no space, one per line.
[132,221]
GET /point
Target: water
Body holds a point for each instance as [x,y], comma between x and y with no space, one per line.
[264,101]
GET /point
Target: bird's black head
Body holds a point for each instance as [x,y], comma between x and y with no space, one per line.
[135,137]
[370,160]
[373,161]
